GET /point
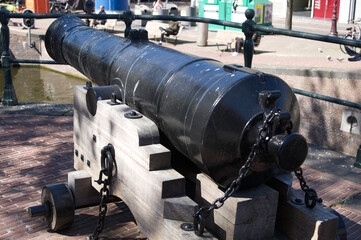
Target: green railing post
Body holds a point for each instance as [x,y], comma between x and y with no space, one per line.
[248,43]
[128,20]
[9,96]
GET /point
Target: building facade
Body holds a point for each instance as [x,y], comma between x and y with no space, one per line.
[347,10]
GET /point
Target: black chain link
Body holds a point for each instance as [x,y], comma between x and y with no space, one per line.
[310,194]
[264,135]
[106,170]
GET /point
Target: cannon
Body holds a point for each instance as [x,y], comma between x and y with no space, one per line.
[215,119]
[208,112]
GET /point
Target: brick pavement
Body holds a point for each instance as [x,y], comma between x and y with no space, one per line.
[333,190]
[36,150]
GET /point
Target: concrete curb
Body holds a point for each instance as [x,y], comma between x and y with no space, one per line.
[311,72]
[49,109]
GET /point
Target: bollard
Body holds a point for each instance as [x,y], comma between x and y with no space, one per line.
[358,158]
[248,32]
[202,34]
[288,23]
[9,96]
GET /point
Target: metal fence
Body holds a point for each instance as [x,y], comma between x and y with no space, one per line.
[248,27]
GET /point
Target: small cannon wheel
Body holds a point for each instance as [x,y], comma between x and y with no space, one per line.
[60,200]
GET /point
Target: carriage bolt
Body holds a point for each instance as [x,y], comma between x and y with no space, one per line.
[187,227]
[133,115]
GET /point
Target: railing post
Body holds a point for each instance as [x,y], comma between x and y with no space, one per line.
[333,31]
[9,96]
[248,32]
[128,20]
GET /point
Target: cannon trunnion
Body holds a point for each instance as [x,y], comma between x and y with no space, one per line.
[208,111]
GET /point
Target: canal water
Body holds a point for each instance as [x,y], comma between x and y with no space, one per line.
[35,84]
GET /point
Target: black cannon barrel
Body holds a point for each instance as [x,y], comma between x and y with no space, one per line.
[208,111]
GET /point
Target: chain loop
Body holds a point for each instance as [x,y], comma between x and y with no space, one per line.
[264,135]
[198,220]
[311,197]
[106,170]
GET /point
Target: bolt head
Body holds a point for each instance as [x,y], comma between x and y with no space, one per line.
[187,227]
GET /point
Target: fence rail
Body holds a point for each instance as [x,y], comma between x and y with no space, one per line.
[249,27]
[31,61]
[291,33]
[327,98]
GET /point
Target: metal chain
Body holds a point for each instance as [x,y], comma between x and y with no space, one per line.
[310,194]
[106,170]
[264,135]
[104,192]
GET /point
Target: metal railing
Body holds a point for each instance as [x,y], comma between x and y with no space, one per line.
[248,27]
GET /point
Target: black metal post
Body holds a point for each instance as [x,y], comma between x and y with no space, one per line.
[333,31]
[128,20]
[9,96]
[248,32]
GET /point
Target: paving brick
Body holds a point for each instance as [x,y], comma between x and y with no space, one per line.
[6,236]
[3,232]
[354,236]
[355,227]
